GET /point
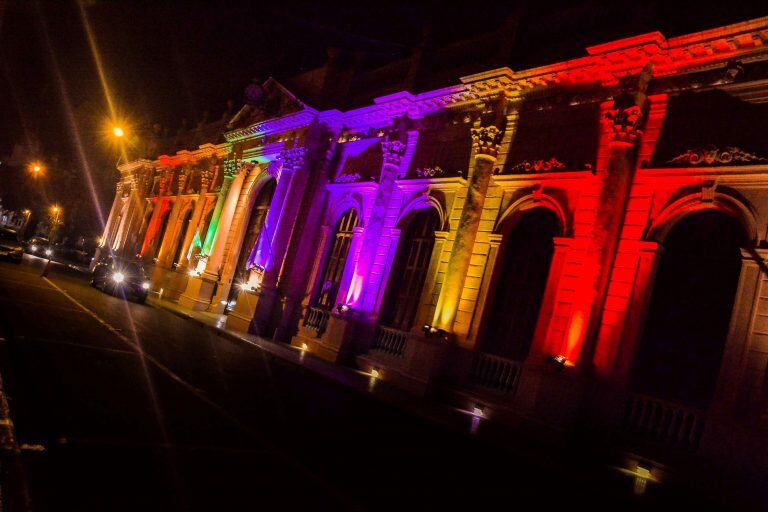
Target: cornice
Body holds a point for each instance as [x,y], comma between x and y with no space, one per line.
[270,126]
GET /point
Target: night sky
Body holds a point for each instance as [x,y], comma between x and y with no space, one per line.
[166,61]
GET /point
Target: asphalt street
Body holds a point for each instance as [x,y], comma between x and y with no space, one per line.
[122,406]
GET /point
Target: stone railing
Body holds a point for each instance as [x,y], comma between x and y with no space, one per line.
[664,422]
[390,341]
[317,319]
[495,373]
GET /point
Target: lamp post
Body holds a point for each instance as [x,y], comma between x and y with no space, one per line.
[56,215]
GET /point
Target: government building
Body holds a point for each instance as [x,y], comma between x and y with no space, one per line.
[576,248]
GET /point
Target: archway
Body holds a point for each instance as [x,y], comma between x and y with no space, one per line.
[409,271]
[680,351]
[253,230]
[518,284]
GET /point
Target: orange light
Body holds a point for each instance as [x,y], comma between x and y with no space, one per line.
[36,168]
[117,131]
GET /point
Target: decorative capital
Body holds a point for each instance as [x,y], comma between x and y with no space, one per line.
[182,182]
[625,124]
[230,167]
[293,158]
[486,141]
[393,151]
[206,175]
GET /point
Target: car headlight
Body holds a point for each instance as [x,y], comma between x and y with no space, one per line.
[118,277]
[48,252]
[33,248]
[145,285]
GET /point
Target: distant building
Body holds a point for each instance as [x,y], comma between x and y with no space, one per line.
[576,246]
[11,219]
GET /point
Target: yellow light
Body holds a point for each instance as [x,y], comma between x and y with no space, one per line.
[117,131]
[375,373]
[55,209]
[36,168]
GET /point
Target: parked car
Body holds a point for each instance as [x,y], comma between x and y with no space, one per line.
[10,245]
[39,246]
[120,277]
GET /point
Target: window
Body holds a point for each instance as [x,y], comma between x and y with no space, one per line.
[522,270]
[409,272]
[337,258]
[679,354]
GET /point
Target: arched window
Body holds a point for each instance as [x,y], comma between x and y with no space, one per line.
[409,271]
[337,258]
[161,233]
[518,285]
[252,231]
[180,237]
[680,352]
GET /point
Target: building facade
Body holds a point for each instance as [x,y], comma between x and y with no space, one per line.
[580,243]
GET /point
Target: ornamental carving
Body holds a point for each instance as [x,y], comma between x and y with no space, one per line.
[538,165]
[392,151]
[231,166]
[182,182]
[431,172]
[293,158]
[205,179]
[348,178]
[486,140]
[626,115]
[716,156]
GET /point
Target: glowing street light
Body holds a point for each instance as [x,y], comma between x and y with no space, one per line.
[36,168]
[118,132]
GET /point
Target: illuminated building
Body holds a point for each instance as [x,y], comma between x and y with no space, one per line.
[585,239]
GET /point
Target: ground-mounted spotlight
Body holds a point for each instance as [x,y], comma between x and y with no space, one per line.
[560,361]
[343,309]
[430,331]
[193,273]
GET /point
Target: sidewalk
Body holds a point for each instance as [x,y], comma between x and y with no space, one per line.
[349,377]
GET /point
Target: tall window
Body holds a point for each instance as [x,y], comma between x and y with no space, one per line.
[409,271]
[681,349]
[180,237]
[518,285]
[337,258]
[252,231]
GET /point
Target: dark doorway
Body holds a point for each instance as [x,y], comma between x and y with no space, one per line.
[409,271]
[679,355]
[519,283]
[255,224]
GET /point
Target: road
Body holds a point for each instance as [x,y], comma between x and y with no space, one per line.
[138,409]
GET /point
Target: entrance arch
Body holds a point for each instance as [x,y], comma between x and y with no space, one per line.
[409,271]
[681,348]
[518,285]
[253,230]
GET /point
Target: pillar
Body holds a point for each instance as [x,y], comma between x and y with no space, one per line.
[197,215]
[166,249]
[485,145]
[199,290]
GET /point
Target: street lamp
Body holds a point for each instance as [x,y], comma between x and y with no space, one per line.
[36,168]
[118,132]
[56,210]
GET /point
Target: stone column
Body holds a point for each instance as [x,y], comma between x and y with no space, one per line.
[108,228]
[392,152]
[230,170]
[624,122]
[197,216]
[154,222]
[166,249]
[224,223]
[485,142]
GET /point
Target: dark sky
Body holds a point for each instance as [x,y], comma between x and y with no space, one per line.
[169,60]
